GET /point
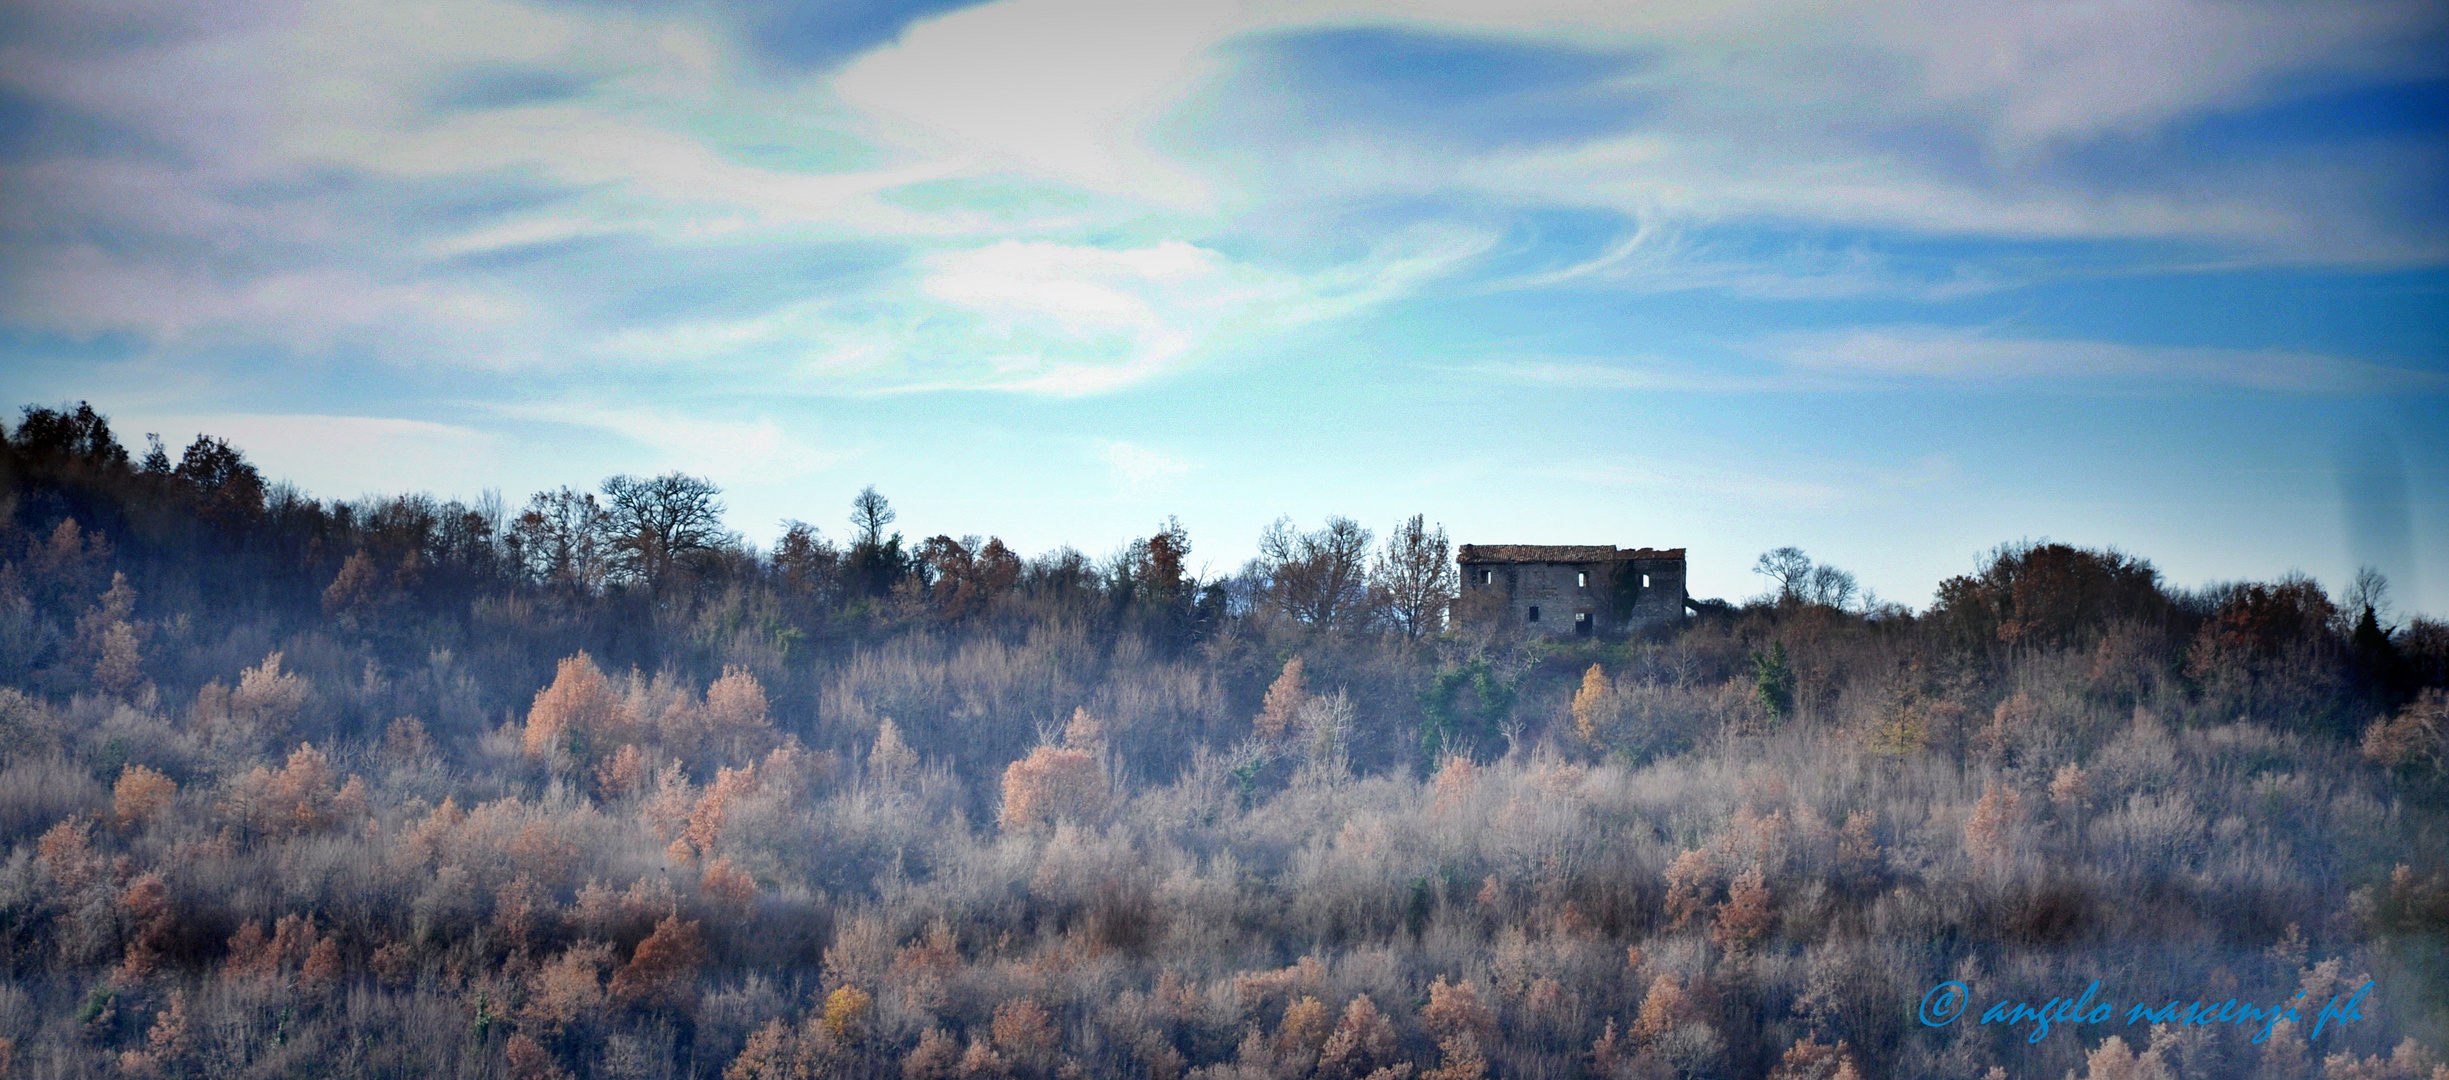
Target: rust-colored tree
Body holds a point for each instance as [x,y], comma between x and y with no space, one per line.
[1054,783]
[1284,699]
[1025,1032]
[662,972]
[1455,1009]
[65,854]
[1363,1040]
[147,904]
[1747,917]
[139,795]
[729,885]
[2047,595]
[571,715]
[1810,1059]
[737,719]
[1989,832]
[704,828]
[1595,708]
[2415,740]
[302,796]
[567,990]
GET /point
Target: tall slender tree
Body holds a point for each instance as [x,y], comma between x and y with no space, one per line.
[1414,577]
[869,514]
[876,562]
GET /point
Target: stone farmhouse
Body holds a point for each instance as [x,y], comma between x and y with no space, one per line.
[1572,590]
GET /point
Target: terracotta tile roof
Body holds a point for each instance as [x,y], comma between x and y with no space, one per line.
[1558,553]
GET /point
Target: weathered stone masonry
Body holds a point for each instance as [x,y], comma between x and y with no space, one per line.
[1565,589]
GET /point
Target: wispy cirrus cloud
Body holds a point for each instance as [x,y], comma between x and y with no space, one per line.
[1867,358]
[1961,355]
[229,163]
[1068,198]
[1042,317]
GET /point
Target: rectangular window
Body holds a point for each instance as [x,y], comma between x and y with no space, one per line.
[1581,579]
[1581,623]
[1488,577]
[1534,613]
[1645,581]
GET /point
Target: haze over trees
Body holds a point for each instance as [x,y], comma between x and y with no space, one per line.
[591,788]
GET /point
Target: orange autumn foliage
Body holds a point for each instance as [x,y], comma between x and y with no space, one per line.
[578,707]
[140,794]
[663,969]
[1051,784]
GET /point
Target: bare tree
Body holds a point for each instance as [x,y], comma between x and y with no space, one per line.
[1831,587]
[1789,568]
[1415,577]
[875,562]
[1317,577]
[657,522]
[2369,590]
[869,514]
[1800,581]
[563,541]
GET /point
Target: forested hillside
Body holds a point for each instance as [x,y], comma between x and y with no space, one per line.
[584,786]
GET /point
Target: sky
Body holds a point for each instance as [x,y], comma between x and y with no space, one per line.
[1894,283]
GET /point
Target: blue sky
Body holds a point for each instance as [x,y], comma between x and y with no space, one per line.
[1893,283]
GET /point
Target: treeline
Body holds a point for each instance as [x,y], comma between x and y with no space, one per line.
[589,787]
[204,565]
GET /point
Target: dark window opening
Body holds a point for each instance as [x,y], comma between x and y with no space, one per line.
[1488,577]
[1534,613]
[1581,624]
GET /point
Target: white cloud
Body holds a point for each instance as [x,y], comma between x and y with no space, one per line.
[83,289]
[1152,307]
[1624,373]
[1927,118]
[1033,316]
[1062,88]
[1141,471]
[1044,317]
[1071,319]
[1958,120]
[1871,357]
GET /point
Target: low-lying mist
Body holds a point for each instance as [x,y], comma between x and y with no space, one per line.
[585,787]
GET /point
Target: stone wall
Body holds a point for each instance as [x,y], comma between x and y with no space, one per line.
[1560,590]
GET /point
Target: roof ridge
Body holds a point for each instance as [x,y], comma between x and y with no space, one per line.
[1560,553]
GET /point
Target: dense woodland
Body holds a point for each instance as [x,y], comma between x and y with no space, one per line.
[586,787]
